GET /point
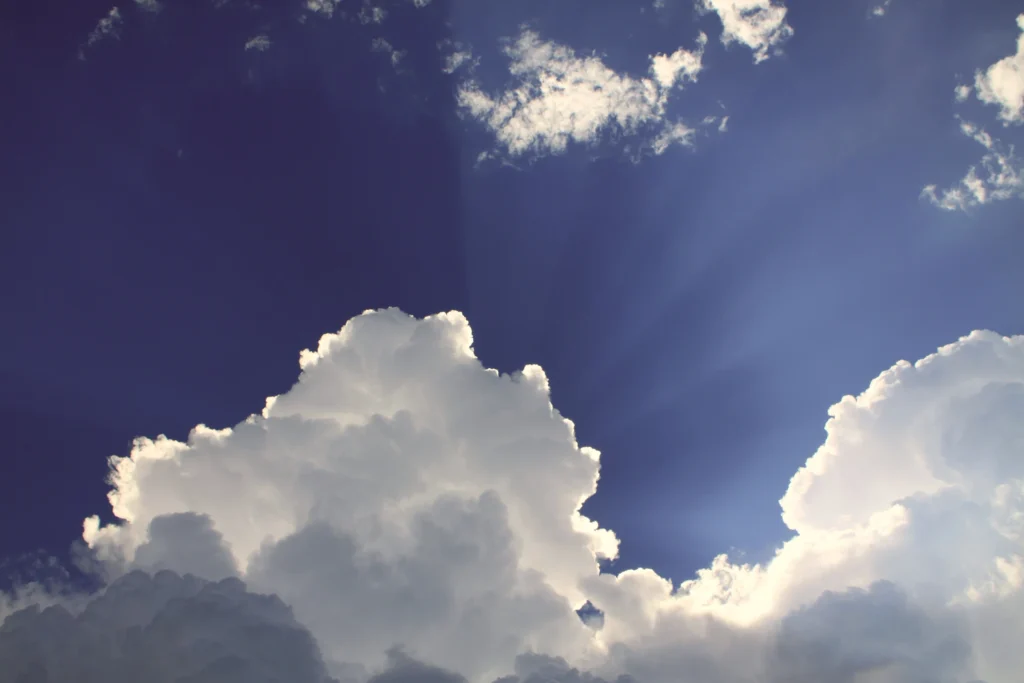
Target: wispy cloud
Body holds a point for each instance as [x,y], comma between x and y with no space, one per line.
[880,10]
[149,5]
[999,174]
[109,26]
[260,43]
[324,7]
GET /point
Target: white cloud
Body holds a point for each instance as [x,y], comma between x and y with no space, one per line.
[418,485]
[882,9]
[400,494]
[758,24]
[558,97]
[260,43]
[149,5]
[1002,84]
[1001,175]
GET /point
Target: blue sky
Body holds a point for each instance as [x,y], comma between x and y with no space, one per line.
[193,192]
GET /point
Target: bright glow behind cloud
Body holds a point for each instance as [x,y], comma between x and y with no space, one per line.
[402,494]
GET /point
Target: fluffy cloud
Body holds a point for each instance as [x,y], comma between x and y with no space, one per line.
[419,513]
[398,480]
[558,97]
[1002,84]
[758,24]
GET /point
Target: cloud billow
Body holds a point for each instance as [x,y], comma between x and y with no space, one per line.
[419,515]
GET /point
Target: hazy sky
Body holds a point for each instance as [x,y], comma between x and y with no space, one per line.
[707,222]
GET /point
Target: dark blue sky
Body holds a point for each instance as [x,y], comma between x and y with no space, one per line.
[181,216]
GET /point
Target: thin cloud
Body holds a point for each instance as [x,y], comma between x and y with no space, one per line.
[999,173]
[322,7]
[109,26]
[260,43]
[997,176]
[558,97]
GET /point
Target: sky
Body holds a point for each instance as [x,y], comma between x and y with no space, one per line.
[765,256]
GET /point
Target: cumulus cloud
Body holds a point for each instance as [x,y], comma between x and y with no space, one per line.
[873,634]
[420,515]
[998,175]
[185,542]
[758,24]
[399,480]
[1002,84]
[557,97]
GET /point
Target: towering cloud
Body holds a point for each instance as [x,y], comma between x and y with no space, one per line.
[419,513]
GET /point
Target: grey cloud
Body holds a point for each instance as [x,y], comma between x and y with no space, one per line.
[461,553]
[161,629]
[403,668]
[878,632]
[529,668]
[187,543]
[538,668]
